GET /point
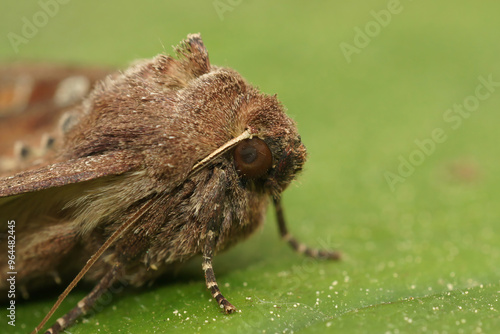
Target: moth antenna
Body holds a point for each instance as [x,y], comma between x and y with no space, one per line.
[298,246]
[87,302]
[220,150]
[144,208]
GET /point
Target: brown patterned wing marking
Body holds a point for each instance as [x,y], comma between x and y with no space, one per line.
[34,96]
[23,86]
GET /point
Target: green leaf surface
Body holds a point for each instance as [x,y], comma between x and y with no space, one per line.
[402,177]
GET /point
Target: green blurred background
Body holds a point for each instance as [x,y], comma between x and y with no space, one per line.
[365,83]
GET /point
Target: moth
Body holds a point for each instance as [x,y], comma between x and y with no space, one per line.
[172,158]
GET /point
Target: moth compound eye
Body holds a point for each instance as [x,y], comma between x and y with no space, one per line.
[252,158]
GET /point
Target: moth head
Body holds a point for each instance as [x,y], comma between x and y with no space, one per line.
[251,129]
[271,159]
[267,153]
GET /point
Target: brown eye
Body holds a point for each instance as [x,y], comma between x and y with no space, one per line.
[252,157]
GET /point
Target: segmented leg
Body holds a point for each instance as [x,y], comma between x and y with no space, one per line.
[86,303]
[210,276]
[297,246]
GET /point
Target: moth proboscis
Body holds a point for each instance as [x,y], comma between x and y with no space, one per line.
[172,158]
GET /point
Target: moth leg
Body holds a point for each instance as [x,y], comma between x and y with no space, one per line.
[210,276]
[298,246]
[86,303]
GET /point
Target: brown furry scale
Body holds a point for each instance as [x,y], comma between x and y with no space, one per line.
[170,159]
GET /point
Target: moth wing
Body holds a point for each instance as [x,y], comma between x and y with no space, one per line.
[33,97]
[67,172]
